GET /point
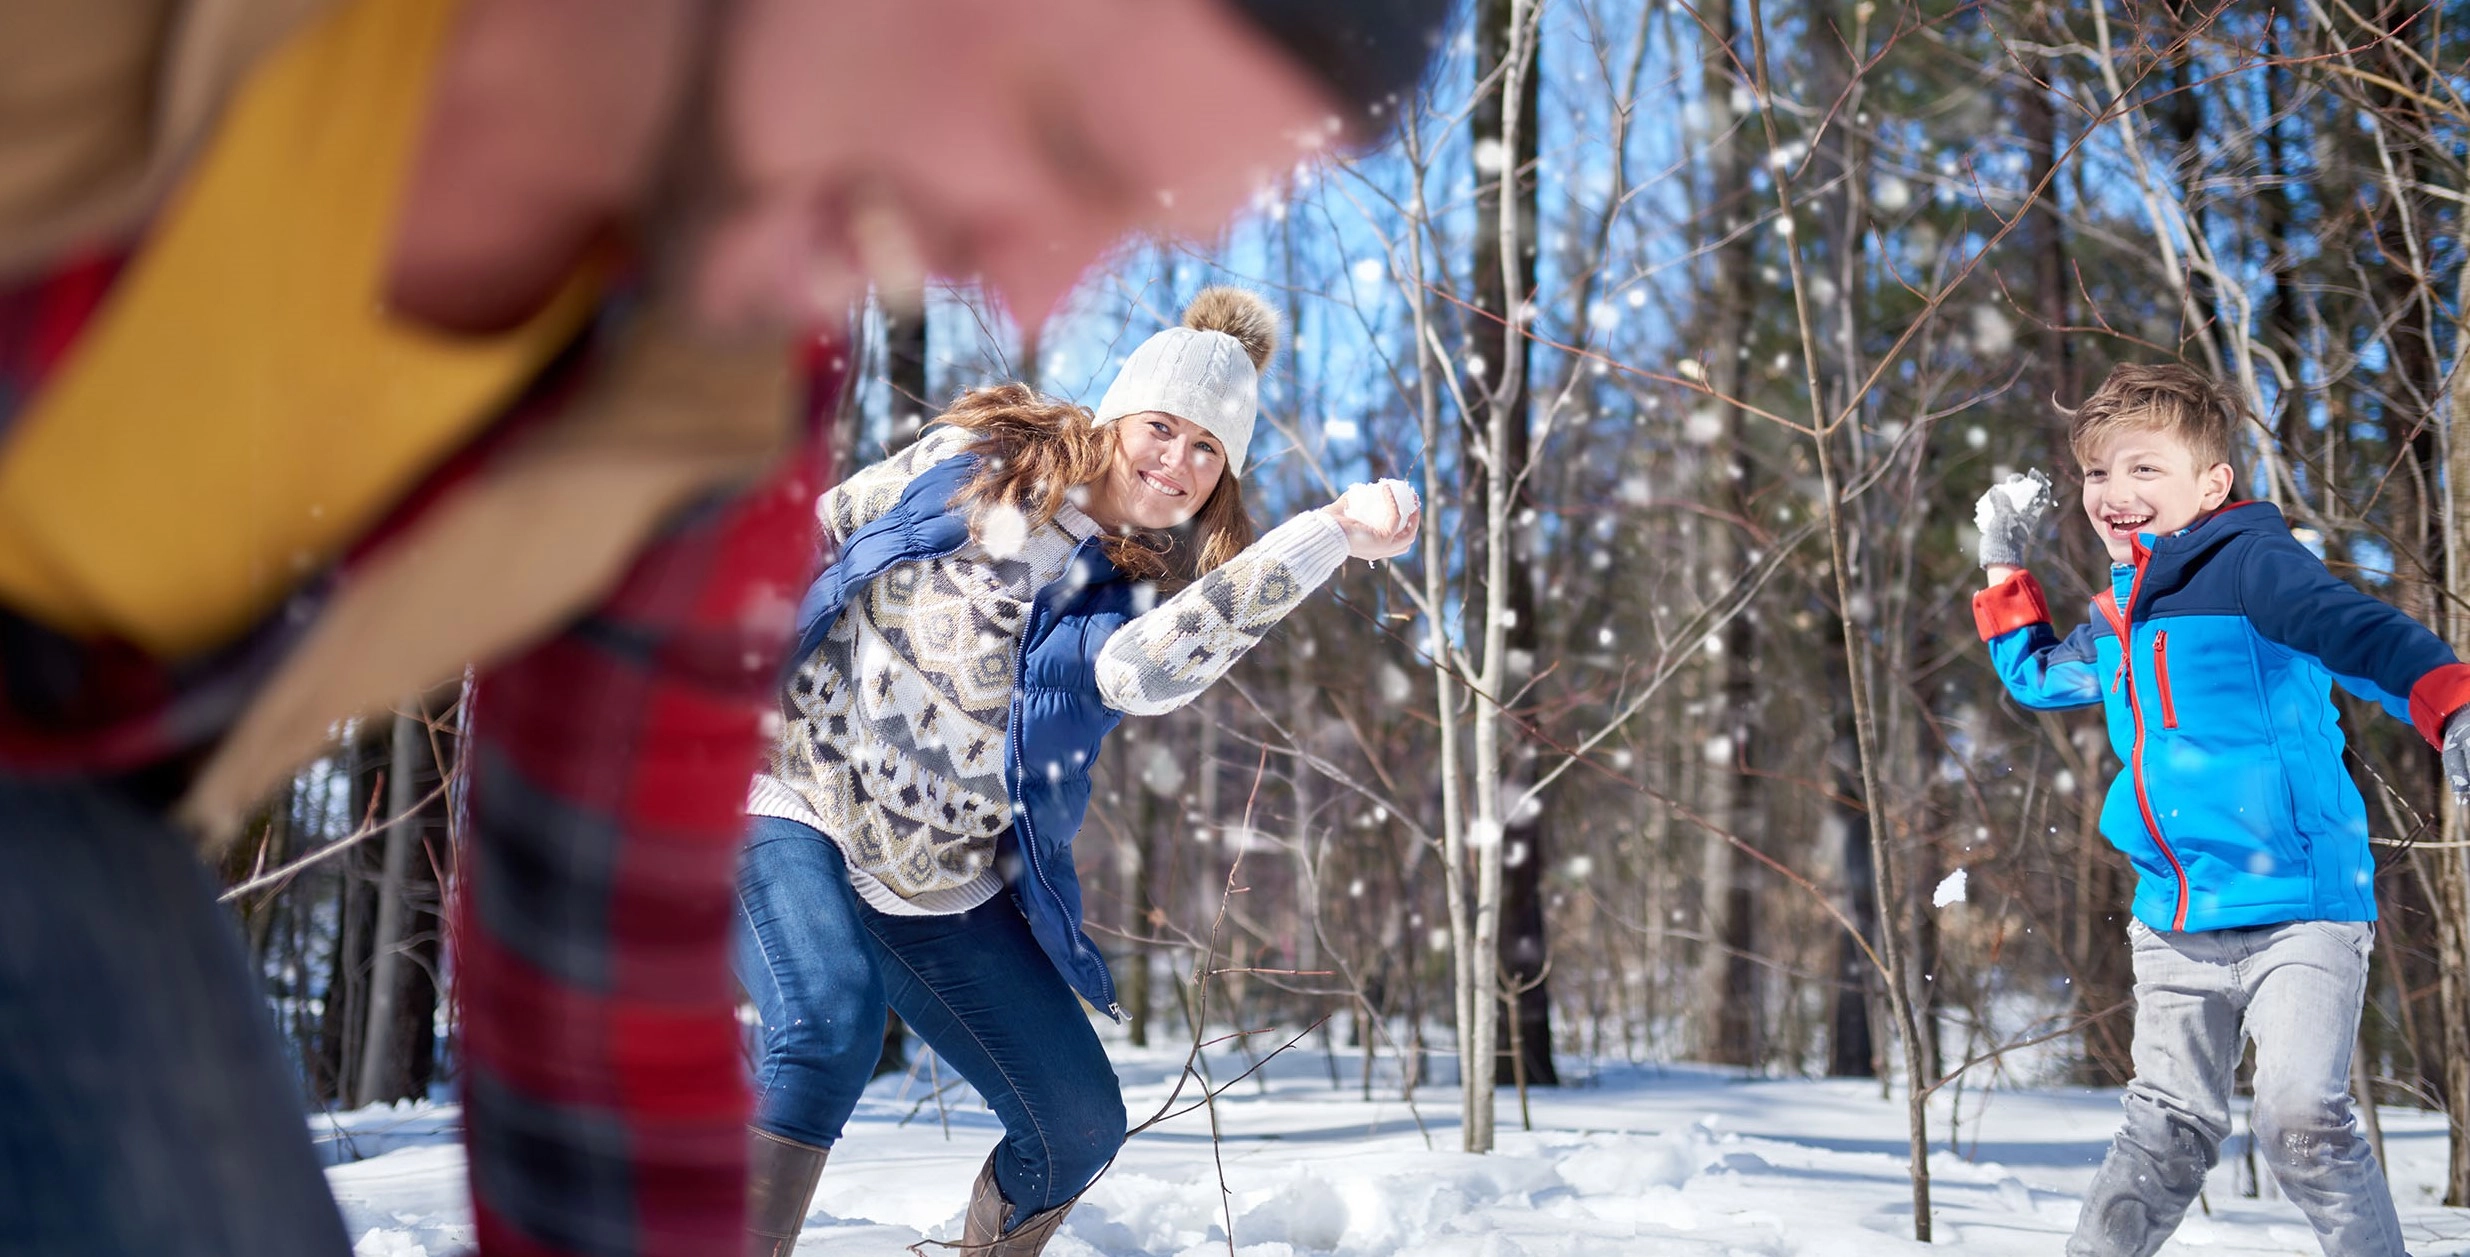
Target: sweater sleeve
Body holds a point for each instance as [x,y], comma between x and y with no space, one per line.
[1166,656]
[2040,669]
[853,503]
[2373,648]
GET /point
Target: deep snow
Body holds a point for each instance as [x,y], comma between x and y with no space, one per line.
[1629,1159]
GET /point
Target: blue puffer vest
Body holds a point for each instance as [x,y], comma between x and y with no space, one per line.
[1058,722]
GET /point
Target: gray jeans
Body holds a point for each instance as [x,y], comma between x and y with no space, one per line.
[2295,989]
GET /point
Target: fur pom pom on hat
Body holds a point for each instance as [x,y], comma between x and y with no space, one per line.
[1207,371]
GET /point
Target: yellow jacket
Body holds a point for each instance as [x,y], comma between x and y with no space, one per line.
[243,409]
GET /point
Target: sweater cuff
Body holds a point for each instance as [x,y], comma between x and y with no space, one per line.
[2011,604]
[2436,697]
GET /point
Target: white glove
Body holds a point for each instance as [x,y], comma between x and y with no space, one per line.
[2009,516]
[2457,753]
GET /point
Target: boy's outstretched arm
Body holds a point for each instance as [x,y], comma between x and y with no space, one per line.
[2371,647]
[2040,669]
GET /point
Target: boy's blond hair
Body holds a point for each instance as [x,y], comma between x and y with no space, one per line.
[2168,398]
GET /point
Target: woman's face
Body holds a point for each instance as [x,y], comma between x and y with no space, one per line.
[1163,472]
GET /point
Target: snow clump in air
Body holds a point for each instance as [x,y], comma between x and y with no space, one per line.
[1950,890]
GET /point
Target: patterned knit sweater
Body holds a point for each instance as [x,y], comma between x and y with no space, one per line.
[893,742]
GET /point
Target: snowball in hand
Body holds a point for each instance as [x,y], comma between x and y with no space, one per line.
[1404,495]
[2008,516]
[1381,507]
[2028,494]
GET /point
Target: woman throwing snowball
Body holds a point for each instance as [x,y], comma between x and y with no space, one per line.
[991,616]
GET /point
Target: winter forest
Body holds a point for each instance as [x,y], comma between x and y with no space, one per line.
[1671,746]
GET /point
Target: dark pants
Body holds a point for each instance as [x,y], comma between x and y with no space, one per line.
[822,966]
[144,1108]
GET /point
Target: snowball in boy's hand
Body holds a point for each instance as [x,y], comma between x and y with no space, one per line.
[2008,514]
[2028,495]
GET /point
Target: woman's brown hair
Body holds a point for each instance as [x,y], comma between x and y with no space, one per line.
[1034,451]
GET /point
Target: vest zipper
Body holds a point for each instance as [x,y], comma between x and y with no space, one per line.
[1020,804]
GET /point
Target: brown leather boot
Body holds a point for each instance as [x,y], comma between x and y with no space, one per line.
[780,1184]
[983,1234]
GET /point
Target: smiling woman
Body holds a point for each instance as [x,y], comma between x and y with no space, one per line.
[988,621]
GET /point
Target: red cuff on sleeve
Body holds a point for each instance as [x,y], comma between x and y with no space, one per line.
[2014,603]
[2436,697]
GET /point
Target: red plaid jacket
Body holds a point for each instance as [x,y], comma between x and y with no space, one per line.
[605,1103]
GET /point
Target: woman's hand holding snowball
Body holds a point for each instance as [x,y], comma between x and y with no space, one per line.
[1380,519]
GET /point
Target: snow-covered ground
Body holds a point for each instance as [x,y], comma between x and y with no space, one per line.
[1671,1160]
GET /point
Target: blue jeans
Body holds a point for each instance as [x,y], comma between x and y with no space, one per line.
[822,966]
[144,1105]
[2295,989]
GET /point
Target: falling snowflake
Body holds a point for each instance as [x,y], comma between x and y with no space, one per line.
[1396,687]
[1003,531]
[1993,332]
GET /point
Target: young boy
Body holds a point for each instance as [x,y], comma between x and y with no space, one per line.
[2213,652]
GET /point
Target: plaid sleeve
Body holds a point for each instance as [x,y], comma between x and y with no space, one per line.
[605,1102]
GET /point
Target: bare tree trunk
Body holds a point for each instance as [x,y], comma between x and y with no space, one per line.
[377,1062]
[1731,1030]
[1505,208]
[904,366]
[1479,981]
[1852,1047]
[1828,430]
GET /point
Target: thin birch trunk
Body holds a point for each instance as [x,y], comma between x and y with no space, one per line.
[377,1063]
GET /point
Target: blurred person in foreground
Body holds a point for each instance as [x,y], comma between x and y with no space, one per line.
[347,342]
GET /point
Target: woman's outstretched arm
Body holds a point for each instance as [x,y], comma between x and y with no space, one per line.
[1165,657]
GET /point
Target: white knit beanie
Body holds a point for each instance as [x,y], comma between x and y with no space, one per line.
[1208,371]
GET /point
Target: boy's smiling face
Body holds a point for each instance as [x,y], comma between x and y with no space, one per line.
[2145,480]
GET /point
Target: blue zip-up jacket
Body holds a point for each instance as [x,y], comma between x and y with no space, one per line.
[2234,807]
[1057,721]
